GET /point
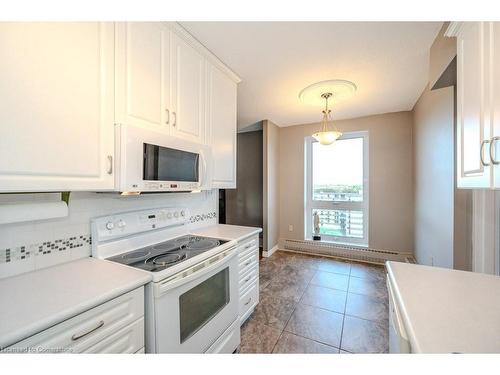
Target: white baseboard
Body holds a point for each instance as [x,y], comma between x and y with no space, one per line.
[267,254]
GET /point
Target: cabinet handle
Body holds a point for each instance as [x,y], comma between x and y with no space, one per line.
[247,263]
[175,119]
[492,149]
[168,116]
[481,152]
[249,300]
[110,165]
[77,337]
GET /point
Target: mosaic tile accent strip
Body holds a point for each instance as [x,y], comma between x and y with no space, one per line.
[203,217]
[23,252]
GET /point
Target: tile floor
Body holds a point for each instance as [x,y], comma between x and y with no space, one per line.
[314,304]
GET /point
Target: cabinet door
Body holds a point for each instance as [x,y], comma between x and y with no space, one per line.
[221,105]
[494,102]
[188,90]
[143,75]
[56,111]
[473,130]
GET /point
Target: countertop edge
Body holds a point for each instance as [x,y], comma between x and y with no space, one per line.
[251,231]
[415,346]
[42,325]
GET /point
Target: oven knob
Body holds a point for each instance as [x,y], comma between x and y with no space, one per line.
[110,225]
[121,224]
[169,215]
[176,214]
[183,213]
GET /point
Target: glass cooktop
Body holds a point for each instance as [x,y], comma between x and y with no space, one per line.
[160,256]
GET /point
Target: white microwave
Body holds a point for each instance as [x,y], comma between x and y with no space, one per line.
[149,161]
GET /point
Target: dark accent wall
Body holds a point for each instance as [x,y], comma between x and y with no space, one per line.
[244,204]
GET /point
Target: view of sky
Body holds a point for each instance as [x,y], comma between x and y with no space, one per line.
[340,163]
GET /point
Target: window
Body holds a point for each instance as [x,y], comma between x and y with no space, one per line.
[336,188]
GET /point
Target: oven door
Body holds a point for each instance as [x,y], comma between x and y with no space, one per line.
[194,307]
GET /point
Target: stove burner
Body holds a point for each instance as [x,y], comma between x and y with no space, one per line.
[136,254]
[163,247]
[166,259]
[202,244]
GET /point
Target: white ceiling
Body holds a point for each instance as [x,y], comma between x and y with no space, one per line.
[388,61]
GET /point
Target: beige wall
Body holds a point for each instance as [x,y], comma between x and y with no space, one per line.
[391,182]
[271,186]
[434,177]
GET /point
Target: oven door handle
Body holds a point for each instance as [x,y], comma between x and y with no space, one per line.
[196,271]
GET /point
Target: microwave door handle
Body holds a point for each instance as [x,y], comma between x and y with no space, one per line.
[174,281]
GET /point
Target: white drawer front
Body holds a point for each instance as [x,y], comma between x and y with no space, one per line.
[248,278]
[83,331]
[127,340]
[228,341]
[247,245]
[250,261]
[248,301]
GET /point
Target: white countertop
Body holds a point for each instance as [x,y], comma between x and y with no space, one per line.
[227,232]
[447,310]
[35,301]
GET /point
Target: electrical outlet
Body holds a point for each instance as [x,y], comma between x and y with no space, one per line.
[290,227]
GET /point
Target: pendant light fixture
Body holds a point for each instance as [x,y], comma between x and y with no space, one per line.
[326,136]
[321,93]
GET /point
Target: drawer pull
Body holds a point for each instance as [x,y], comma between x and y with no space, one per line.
[77,337]
[247,302]
[247,280]
[247,263]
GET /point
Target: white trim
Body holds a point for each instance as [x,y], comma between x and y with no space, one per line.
[267,254]
[484,232]
[497,234]
[453,29]
[360,206]
[196,44]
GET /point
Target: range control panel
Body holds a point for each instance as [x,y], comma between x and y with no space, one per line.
[128,223]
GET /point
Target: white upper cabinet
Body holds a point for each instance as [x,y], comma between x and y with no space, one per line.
[65,85]
[143,75]
[221,116]
[188,81]
[56,107]
[478,100]
[494,28]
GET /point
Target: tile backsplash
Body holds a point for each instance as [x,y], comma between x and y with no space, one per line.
[33,245]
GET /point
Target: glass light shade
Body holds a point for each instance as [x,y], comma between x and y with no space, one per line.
[327,138]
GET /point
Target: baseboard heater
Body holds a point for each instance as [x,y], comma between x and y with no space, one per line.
[361,254]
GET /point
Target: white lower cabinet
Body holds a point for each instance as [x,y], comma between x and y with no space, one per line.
[116,326]
[248,253]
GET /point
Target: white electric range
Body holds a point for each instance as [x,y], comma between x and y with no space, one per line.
[191,306]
